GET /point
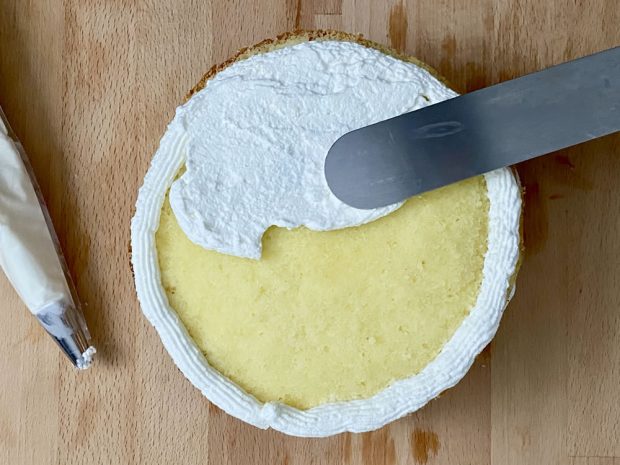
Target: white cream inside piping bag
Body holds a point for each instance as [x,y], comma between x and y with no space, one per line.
[27,252]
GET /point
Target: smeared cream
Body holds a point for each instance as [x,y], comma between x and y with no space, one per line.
[258,134]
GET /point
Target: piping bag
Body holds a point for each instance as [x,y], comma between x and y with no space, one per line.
[31,257]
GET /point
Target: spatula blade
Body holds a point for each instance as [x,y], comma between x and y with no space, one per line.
[476,133]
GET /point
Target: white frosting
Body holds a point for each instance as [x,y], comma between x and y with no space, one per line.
[86,360]
[398,399]
[27,252]
[259,132]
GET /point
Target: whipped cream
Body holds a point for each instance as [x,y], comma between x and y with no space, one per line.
[27,252]
[258,134]
[401,397]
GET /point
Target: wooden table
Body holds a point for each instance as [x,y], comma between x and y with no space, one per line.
[89,87]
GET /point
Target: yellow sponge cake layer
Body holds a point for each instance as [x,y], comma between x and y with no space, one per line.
[338,315]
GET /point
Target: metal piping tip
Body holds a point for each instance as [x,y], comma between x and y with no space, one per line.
[68,328]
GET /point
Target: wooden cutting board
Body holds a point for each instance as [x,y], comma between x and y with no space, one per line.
[89,87]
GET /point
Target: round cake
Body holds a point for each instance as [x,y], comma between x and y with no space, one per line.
[284,306]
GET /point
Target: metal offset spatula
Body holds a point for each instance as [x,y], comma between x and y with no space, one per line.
[498,126]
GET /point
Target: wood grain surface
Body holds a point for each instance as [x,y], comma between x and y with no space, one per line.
[90,85]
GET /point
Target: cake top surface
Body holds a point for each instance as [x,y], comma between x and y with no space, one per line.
[333,315]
